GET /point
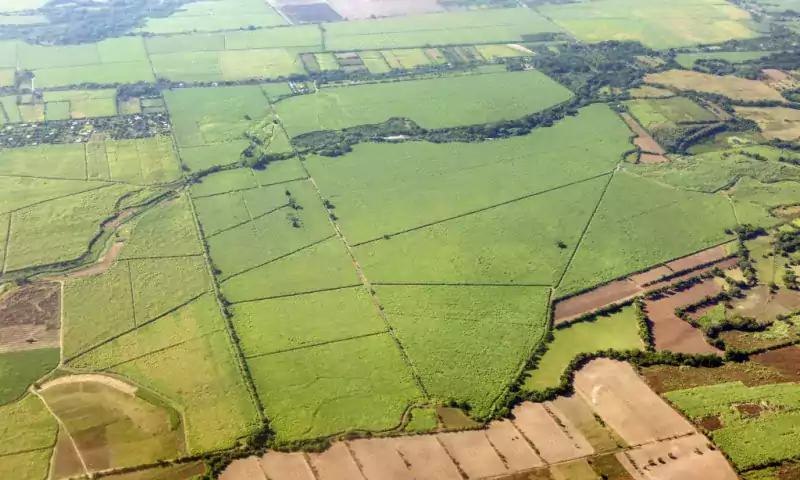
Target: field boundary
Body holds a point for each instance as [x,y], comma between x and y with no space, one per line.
[159,350]
[319,344]
[251,219]
[197,197]
[456,284]
[298,294]
[250,269]
[6,242]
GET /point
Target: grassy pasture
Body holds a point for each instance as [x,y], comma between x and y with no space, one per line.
[326,61]
[20,369]
[268,326]
[113,429]
[656,25]
[60,230]
[406,59]
[491,52]
[56,111]
[747,439]
[231,65]
[375,62]
[355,384]
[165,231]
[26,425]
[201,116]
[144,161]
[438,102]
[215,404]
[18,192]
[161,285]
[659,113]
[206,16]
[322,266]
[85,103]
[752,200]
[619,331]
[26,466]
[224,182]
[66,161]
[640,223]
[418,183]
[687,60]
[485,26]
[203,157]
[733,87]
[103,74]
[467,343]
[493,246]
[222,212]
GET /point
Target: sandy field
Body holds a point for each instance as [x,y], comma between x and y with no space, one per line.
[426,457]
[379,460]
[286,466]
[474,454]
[683,458]
[244,469]
[512,445]
[335,463]
[774,122]
[554,442]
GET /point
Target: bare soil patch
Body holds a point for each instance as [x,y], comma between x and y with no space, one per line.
[600,297]
[286,466]
[668,378]
[336,463]
[244,469]
[358,9]
[474,454]
[644,141]
[732,87]
[673,333]
[512,446]
[652,159]
[750,410]
[30,317]
[775,122]
[650,276]
[556,441]
[779,80]
[784,360]
[711,423]
[426,457]
[679,459]
[379,460]
[101,266]
[65,462]
[622,399]
[700,258]
[90,378]
[575,411]
[312,13]
[722,265]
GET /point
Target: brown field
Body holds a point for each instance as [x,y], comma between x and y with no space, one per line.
[65,462]
[426,457]
[646,91]
[625,402]
[378,459]
[286,466]
[101,266]
[244,469]
[651,275]
[679,459]
[474,454]
[336,463]
[644,141]
[358,9]
[700,258]
[185,471]
[673,333]
[784,360]
[754,341]
[764,305]
[652,159]
[30,317]
[668,378]
[611,293]
[726,264]
[577,470]
[574,410]
[554,442]
[779,80]
[512,445]
[729,86]
[609,467]
[775,122]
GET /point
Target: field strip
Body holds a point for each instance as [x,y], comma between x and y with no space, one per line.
[276,259]
[483,209]
[63,427]
[299,179]
[437,284]
[165,257]
[251,219]
[583,233]
[35,204]
[143,324]
[5,245]
[159,350]
[133,302]
[297,294]
[329,342]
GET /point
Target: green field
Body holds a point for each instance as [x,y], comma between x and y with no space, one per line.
[375,62]
[26,425]
[167,230]
[211,16]
[420,183]
[660,113]
[59,161]
[20,369]
[467,343]
[229,65]
[687,60]
[144,161]
[747,439]
[358,384]
[438,102]
[618,331]
[85,103]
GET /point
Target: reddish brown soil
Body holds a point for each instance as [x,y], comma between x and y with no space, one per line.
[600,297]
[784,360]
[426,457]
[711,423]
[679,459]
[336,463]
[652,159]
[555,442]
[751,410]
[650,276]
[512,446]
[677,335]
[474,454]
[723,265]
[286,466]
[627,405]
[30,317]
[752,341]
[706,256]
[668,378]
[644,140]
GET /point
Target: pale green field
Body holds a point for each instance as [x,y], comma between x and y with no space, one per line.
[143,161]
[65,161]
[438,102]
[228,65]
[667,112]
[164,231]
[207,16]
[85,103]
[687,60]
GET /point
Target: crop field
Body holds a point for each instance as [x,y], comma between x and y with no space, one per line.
[209,16]
[659,113]
[618,331]
[511,95]
[687,60]
[679,23]
[775,123]
[86,103]
[20,369]
[144,161]
[229,65]
[26,425]
[732,87]
[165,231]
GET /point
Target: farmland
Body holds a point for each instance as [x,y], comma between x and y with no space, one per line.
[347,230]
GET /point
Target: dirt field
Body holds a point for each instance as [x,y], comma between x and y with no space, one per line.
[244,469]
[625,402]
[379,459]
[512,445]
[729,86]
[785,360]
[65,462]
[91,378]
[575,411]
[289,466]
[554,442]
[723,265]
[576,306]
[679,459]
[336,463]
[764,306]
[667,378]
[651,275]
[644,140]
[779,80]
[357,9]
[426,457]
[673,333]
[30,317]
[774,122]
[474,454]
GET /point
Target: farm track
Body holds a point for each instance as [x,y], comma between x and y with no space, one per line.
[63,428]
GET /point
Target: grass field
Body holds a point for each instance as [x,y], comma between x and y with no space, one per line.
[660,113]
[165,231]
[420,183]
[493,246]
[626,235]
[753,200]
[268,326]
[733,87]
[619,331]
[422,420]
[656,25]
[161,285]
[26,425]
[438,102]
[203,157]
[19,192]
[358,384]
[751,418]
[406,59]
[374,61]
[467,343]
[66,161]
[20,369]
[687,60]
[26,466]
[229,65]
[113,429]
[485,26]
[143,161]
[85,103]
[205,16]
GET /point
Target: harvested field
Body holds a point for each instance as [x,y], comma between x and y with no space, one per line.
[378,459]
[775,122]
[474,454]
[673,333]
[779,80]
[785,360]
[682,458]
[650,276]
[733,87]
[622,399]
[65,462]
[577,470]
[513,446]
[573,410]
[644,140]
[286,466]
[361,9]
[244,469]
[30,317]
[614,292]
[426,458]
[722,265]
[554,442]
[763,305]
[336,463]
[651,159]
